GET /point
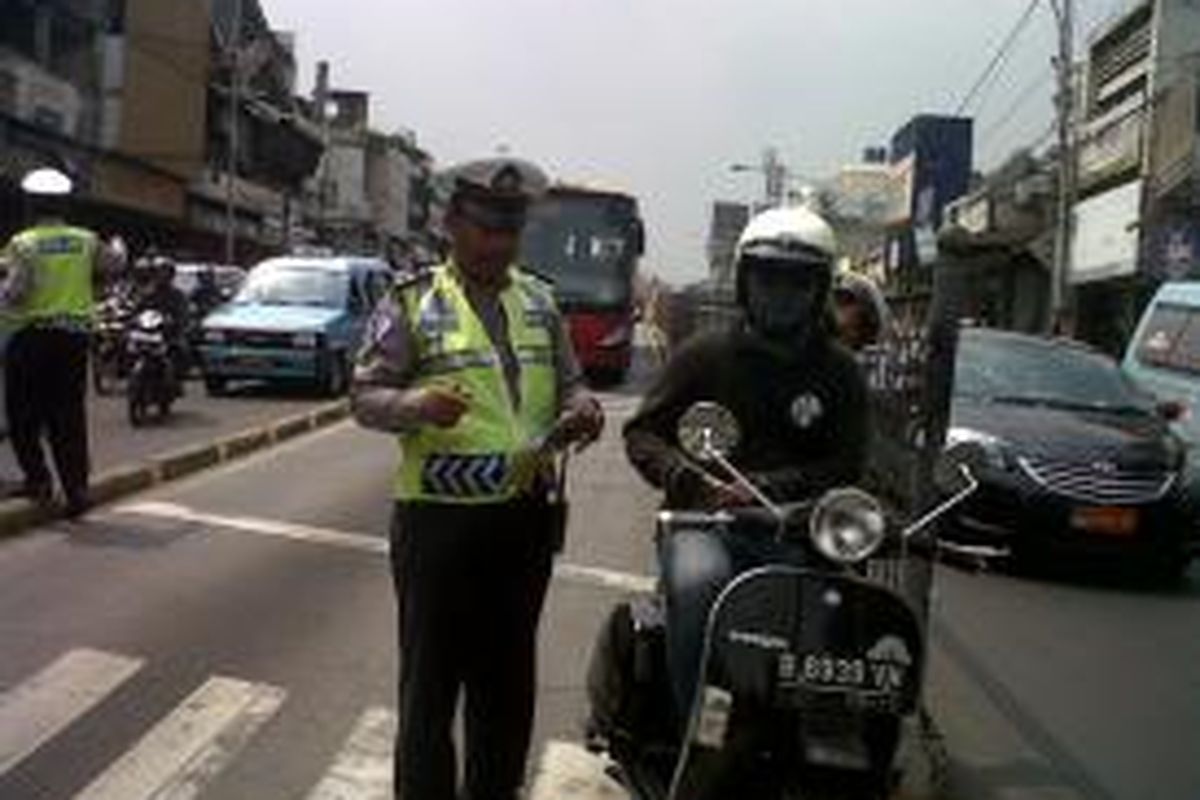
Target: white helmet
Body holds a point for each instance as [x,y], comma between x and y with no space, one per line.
[47,182]
[791,232]
[795,245]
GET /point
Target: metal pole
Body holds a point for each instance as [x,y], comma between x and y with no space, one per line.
[234,144]
[1060,291]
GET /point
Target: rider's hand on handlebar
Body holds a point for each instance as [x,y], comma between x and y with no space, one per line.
[728,495]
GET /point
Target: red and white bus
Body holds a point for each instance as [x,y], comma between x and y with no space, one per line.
[588,242]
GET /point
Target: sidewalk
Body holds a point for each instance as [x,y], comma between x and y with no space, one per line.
[195,419]
[201,432]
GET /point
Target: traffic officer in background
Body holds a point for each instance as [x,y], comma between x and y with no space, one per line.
[469,365]
[47,300]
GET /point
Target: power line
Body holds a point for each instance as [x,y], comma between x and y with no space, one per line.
[998,59]
[1024,97]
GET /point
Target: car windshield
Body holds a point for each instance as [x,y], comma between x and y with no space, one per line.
[294,286]
[1033,372]
[1171,339]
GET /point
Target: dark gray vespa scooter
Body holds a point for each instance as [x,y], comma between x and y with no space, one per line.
[809,669]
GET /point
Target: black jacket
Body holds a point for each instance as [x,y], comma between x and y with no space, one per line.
[803,416]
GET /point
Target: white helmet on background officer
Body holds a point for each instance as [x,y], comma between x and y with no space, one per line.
[784,265]
[45,190]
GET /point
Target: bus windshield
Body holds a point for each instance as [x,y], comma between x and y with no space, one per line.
[587,245]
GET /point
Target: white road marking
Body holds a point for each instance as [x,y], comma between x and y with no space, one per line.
[264,527]
[363,768]
[38,709]
[605,578]
[190,746]
[362,542]
[570,771]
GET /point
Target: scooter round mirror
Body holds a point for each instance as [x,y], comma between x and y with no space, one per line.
[708,430]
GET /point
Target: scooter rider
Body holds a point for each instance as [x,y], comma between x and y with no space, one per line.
[800,400]
[156,291]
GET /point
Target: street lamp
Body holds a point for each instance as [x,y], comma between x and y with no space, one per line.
[776,177]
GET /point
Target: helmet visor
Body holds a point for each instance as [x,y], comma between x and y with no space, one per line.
[783,298]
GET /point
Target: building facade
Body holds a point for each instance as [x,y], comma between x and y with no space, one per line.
[1137,217]
[133,99]
[372,192]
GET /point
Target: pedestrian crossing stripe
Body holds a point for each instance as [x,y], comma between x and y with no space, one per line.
[465,475]
[43,706]
[182,754]
[191,745]
[363,768]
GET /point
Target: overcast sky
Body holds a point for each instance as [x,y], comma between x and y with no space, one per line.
[661,96]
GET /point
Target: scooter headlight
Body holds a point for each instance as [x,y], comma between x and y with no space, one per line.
[847,525]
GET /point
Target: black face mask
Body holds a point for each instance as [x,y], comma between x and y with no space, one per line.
[784,306]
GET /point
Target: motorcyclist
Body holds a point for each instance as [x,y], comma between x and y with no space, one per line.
[154,277]
[801,403]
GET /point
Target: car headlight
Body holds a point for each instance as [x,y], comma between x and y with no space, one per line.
[306,340]
[994,448]
[214,336]
[847,526]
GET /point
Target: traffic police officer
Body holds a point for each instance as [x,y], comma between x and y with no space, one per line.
[468,363]
[48,302]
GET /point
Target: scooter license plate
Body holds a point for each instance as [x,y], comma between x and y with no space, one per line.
[825,671]
[1105,520]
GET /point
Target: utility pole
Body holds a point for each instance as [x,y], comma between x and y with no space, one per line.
[235,92]
[1061,305]
[776,176]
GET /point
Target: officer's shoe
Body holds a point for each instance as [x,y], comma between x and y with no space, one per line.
[78,504]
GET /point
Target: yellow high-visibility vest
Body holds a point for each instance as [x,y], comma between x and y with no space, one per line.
[61,288]
[485,457]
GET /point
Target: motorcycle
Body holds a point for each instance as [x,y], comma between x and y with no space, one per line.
[152,378]
[809,669]
[108,345]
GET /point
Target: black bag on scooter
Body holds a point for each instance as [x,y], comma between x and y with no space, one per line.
[627,684]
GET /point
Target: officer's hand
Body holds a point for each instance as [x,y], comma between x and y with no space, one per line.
[442,406]
[580,425]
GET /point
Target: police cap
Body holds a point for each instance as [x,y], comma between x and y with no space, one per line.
[496,192]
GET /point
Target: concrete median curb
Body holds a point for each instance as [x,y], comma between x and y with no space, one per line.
[17,516]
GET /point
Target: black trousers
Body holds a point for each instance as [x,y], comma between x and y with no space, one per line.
[45,383]
[470,583]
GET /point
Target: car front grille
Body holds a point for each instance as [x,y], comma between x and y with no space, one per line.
[1100,483]
[259,339]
